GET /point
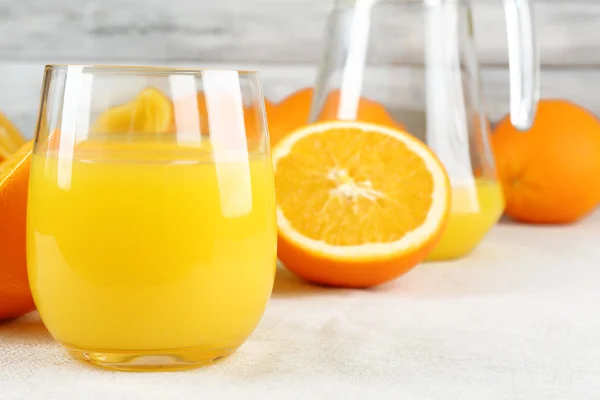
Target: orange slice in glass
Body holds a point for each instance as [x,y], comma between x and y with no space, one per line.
[149,112]
[358,204]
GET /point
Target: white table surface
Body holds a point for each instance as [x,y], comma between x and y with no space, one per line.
[518,319]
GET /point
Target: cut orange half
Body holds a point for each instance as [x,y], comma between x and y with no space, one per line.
[358,204]
[149,112]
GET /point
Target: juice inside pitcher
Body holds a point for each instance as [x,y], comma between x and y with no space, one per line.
[475,209]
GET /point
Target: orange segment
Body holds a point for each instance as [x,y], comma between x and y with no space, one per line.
[358,203]
[4,152]
[149,112]
[15,296]
[10,138]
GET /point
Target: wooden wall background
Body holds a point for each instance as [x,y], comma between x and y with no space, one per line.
[282,38]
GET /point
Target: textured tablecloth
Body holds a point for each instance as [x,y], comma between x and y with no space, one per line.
[518,319]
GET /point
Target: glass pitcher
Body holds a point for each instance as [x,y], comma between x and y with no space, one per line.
[415,60]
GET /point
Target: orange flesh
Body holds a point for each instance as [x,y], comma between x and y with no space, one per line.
[357,187]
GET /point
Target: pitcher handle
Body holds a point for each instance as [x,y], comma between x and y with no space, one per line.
[524,63]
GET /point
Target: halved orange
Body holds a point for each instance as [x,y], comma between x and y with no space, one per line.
[358,204]
[15,296]
[149,112]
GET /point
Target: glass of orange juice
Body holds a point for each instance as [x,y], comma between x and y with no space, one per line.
[151,232]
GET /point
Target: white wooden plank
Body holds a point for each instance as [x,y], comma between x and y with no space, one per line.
[270,31]
[400,89]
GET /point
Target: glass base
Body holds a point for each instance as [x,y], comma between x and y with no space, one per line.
[151,361]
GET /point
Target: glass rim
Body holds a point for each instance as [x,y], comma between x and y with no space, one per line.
[146,69]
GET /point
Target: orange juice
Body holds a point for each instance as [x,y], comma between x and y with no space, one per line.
[475,210]
[152,250]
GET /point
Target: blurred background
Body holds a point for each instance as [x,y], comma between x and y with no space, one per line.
[282,38]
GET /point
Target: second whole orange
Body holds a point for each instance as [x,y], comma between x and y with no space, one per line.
[550,174]
[294,111]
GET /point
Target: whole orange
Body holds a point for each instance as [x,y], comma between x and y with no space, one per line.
[15,296]
[191,115]
[551,173]
[294,111]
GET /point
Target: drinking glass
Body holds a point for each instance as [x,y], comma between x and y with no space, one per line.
[151,231]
